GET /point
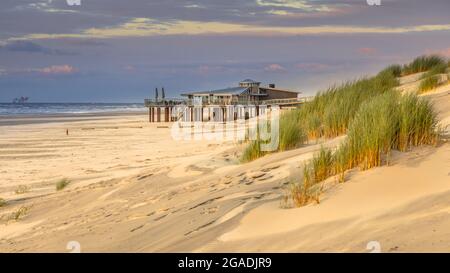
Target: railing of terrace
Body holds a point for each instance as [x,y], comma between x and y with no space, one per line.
[164,102]
[190,102]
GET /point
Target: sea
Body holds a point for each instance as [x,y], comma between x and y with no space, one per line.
[11,109]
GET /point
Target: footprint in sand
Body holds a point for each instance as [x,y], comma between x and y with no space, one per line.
[270,168]
[209,210]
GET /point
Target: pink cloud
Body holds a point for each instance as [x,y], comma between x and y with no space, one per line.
[313,67]
[274,68]
[443,52]
[367,51]
[57,70]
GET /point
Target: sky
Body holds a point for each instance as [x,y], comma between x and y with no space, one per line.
[120,51]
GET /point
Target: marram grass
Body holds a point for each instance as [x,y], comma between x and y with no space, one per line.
[61,184]
[291,135]
[422,64]
[322,165]
[331,113]
[385,123]
[428,84]
[252,151]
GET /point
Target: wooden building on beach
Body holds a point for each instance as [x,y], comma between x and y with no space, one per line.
[242,101]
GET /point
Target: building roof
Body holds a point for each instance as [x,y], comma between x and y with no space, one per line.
[249,81]
[236,90]
[279,90]
[230,90]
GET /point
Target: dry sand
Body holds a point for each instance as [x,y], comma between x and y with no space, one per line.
[135,189]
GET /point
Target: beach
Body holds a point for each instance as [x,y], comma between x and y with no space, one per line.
[134,188]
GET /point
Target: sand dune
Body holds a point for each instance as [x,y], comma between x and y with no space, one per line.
[135,189]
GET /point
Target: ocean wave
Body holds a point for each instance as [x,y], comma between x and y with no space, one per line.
[68,108]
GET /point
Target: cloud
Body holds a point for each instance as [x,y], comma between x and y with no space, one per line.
[31,47]
[369,51]
[279,12]
[313,67]
[195,6]
[45,6]
[274,68]
[293,4]
[57,70]
[146,27]
[443,52]
[64,69]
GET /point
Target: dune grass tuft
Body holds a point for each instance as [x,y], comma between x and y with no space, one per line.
[61,184]
[305,192]
[18,214]
[322,165]
[422,64]
[418,123]
[387,122]
[431,79]
[331,112]
[22,189]
[252,151]
[2,202]
[428,84]
[395,70]
[291,133]
[436,70]
[373,131]
[309,188]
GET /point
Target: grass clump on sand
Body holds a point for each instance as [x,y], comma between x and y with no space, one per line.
[428,84]
[330,113]
[290,136]
[373,131]
[61,184]
[395,70]
[20,213]
[17,214]
[252,151]
[387,122]
[418,123]
[322,165]
[300,195]
[432,78]
[309,189]
[422,64]
[22,189]
[2,202]
[291,132]
[436,70]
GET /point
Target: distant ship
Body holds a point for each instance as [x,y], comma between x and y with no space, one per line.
[20,100]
